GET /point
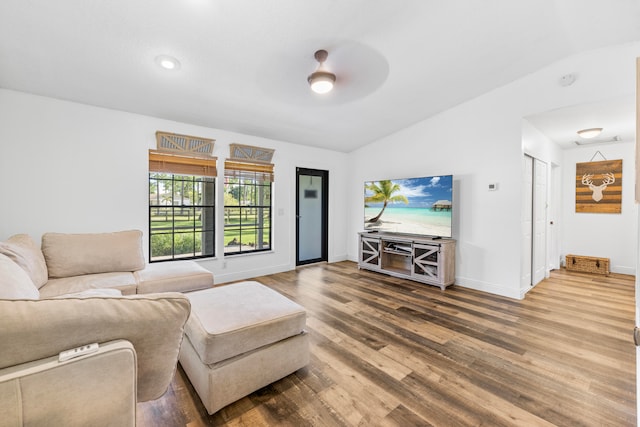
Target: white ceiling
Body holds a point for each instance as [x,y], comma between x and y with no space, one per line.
[245,62]
[616,117]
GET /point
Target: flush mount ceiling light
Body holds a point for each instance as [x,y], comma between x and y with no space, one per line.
[321,81]
[589,133]
[599,141]
[168,62]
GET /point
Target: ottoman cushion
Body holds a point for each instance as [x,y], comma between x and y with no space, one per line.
[229,320]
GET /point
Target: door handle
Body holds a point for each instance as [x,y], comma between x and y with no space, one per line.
[636,336]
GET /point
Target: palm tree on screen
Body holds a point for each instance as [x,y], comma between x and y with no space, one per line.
[383,192]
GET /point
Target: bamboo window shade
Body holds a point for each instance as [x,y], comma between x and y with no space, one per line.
[235,169]
[182,165]
[249,162]
[183,155]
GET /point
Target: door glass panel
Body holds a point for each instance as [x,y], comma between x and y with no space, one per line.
[310,217]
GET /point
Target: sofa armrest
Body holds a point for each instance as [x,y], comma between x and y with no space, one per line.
[82,391]
[153,323]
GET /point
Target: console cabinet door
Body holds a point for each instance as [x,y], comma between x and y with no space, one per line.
[426,262]
[370,251]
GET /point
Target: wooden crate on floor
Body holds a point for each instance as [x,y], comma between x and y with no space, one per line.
[587,264]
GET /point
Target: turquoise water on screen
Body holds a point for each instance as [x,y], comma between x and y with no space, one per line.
[410,220]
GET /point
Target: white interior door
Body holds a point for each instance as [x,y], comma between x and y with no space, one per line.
[527,221]
[539,262]
[553,248]
[637,201]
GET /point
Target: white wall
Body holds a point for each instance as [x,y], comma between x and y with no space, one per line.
[465,141]
[594,234]
[68,167]
[538,146]
[480,142]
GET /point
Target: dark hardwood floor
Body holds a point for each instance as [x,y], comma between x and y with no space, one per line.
[392,352]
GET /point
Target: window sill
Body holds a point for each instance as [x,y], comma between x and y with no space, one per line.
[270,251]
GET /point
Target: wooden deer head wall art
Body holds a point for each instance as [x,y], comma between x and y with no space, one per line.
[599,186]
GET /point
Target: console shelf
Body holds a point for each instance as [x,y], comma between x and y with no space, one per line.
[422,259]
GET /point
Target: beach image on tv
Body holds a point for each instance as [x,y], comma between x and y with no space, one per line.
[409,206]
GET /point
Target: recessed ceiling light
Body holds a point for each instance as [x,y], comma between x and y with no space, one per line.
[567,80]
[168,62]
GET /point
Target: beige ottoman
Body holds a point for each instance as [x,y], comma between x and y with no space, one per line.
[240,338]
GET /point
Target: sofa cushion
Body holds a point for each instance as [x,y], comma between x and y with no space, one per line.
[174,276]
[123,281]
[102,292]
[77,254]
[14,281]
[25,252]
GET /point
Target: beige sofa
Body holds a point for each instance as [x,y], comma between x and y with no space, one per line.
[72,263]
[239,337]
[66,295]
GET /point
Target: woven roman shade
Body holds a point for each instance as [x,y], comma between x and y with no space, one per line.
[259,172]
[249,162]
[182,165]
[183,155]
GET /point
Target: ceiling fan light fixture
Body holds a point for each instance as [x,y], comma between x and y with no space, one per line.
[589,133]
[321,81]
[168,62]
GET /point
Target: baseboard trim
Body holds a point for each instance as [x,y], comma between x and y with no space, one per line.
[488,287]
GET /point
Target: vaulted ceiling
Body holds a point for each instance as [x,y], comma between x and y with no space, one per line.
[244,63]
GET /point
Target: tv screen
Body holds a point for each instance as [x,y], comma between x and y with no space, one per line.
[420,206]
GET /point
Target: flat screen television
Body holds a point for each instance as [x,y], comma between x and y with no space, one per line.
[419,206]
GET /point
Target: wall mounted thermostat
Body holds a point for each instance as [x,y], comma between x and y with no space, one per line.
[493,186]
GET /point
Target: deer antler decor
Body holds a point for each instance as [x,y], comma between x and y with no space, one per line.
[591,197]
[607,178]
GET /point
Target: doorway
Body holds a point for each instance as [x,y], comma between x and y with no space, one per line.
[312,215]
[535,266]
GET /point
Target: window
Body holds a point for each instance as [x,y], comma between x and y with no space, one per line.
[181,199]
[181,216]
[247,207]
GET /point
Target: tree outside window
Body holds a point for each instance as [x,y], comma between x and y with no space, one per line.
[247,213]
[181,216]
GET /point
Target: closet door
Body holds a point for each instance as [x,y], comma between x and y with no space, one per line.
[527,221]
[539,262]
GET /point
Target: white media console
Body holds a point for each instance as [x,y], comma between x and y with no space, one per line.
[423,259]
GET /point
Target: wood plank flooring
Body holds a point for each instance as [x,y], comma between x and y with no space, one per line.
[391,352]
